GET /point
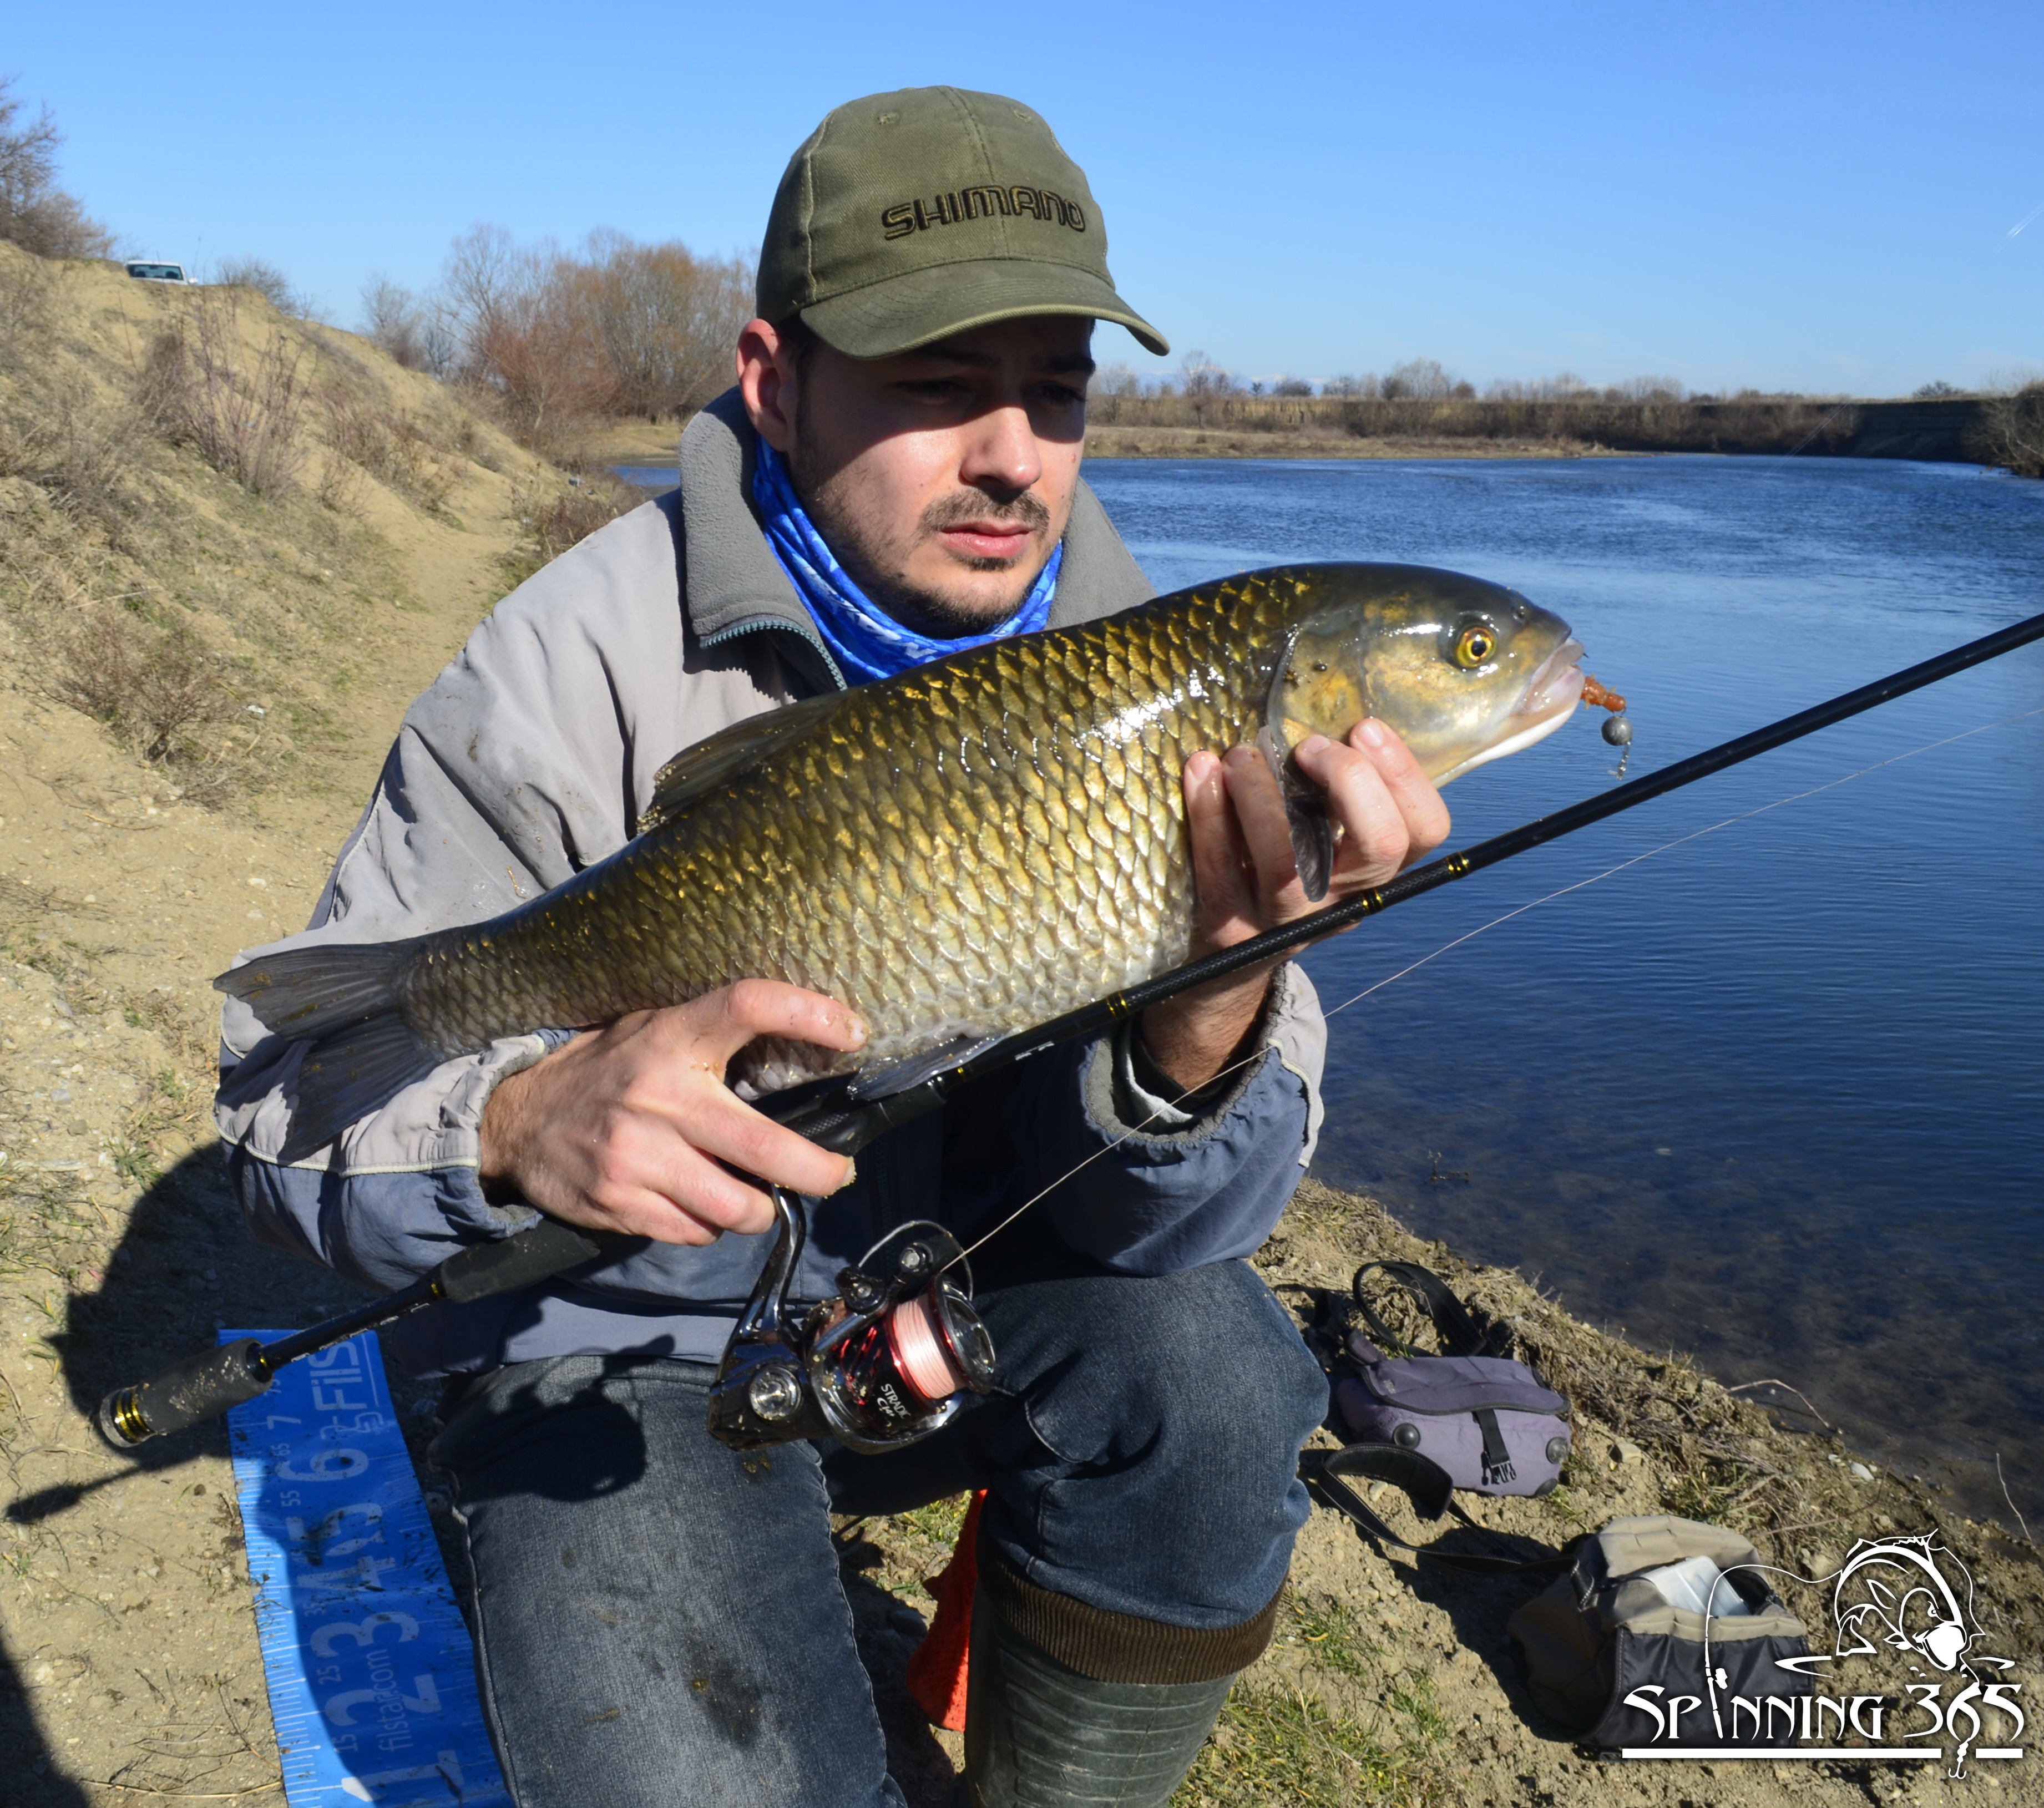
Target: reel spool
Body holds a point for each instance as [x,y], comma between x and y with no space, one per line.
[887,1359]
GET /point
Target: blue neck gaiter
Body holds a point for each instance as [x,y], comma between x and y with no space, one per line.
[866,643]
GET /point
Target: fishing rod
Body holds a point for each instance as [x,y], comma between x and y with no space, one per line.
[761,1382]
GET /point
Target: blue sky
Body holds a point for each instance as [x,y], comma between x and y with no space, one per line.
[1815,196]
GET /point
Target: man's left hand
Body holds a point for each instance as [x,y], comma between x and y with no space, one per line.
[1387,814]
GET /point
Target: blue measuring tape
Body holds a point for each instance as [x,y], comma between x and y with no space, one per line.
[370,1668]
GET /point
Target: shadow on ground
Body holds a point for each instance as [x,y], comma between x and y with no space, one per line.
[186,1264]
[32,1779]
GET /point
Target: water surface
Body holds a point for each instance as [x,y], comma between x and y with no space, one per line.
[1776,1096]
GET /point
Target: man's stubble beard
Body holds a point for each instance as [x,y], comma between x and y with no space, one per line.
[925,610]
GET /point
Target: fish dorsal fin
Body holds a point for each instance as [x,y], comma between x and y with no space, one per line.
[695,771]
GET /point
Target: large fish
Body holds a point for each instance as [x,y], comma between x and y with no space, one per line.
[957,852]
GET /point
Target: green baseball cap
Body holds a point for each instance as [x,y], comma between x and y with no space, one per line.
[909,217]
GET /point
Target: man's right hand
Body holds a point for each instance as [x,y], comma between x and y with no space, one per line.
[624,1127]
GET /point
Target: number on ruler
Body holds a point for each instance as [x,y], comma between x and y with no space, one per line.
[363,1632]
[340,1708]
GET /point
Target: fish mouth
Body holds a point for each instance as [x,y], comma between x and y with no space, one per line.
[1549,700]
[1557,686]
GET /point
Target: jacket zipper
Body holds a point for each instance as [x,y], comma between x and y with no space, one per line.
[786,627]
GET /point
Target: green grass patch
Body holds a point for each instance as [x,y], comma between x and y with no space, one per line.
[1276,1745]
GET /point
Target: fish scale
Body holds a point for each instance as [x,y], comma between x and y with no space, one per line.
[973,847]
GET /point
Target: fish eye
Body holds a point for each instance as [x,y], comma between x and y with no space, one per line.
[1475,644]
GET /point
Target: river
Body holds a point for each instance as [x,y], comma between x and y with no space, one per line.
[1775,1096]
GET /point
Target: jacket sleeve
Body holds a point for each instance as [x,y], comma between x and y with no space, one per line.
[1149,1191]
[512,772]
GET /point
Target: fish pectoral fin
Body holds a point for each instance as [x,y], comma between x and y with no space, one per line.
[899,1076]
[695,771]
[1306,815]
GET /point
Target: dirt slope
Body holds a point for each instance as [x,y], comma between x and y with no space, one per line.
[139,848]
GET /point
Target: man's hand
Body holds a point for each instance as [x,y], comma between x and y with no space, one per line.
[1387,815]
[623,1128]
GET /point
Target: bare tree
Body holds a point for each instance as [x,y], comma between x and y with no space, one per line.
[418,331]
[34,213]
[666,320]
[1418,379]
[558,338]
[1203,377]
[2012,429]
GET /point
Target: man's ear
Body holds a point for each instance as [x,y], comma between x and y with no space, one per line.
[769,383]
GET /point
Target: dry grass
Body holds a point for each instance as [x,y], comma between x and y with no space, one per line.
[393,446]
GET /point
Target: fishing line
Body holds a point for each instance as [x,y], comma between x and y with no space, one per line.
[1470,935]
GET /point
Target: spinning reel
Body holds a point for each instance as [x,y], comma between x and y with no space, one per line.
[886,1360]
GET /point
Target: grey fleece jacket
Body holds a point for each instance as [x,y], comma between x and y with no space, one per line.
[532,756]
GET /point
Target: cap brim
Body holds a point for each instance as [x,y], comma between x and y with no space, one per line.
[920,306]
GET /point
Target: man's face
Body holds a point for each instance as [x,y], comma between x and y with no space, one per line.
[942,478]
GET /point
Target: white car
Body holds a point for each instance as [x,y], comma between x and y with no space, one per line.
[148,270]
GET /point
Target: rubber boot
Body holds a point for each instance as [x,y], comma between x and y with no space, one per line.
[1040,1735]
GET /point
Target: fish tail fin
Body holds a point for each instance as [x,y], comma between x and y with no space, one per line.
[341,999]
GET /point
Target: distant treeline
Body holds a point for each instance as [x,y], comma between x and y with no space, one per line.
[1420,400]
[1747,424]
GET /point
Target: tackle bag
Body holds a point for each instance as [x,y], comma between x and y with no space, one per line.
[1627,1620]
[1484,1421]
[1468,1419]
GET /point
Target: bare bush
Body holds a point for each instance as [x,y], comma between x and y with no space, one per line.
[35,213]
[556,519]
[238,408]
[152,688]
[268,282]
[2012,430]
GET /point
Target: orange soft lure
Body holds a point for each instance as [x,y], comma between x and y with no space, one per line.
[1595,694]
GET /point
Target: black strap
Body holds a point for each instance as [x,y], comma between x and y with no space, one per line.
[1425,1483]
[1497,1464]
[1460,1334]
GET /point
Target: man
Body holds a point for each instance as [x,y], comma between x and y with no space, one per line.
[659,1617]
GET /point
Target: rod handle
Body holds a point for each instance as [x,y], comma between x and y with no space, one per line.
[196,1388]
[532,1255]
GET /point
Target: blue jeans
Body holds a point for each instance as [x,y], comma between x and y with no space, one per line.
[660,1620]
